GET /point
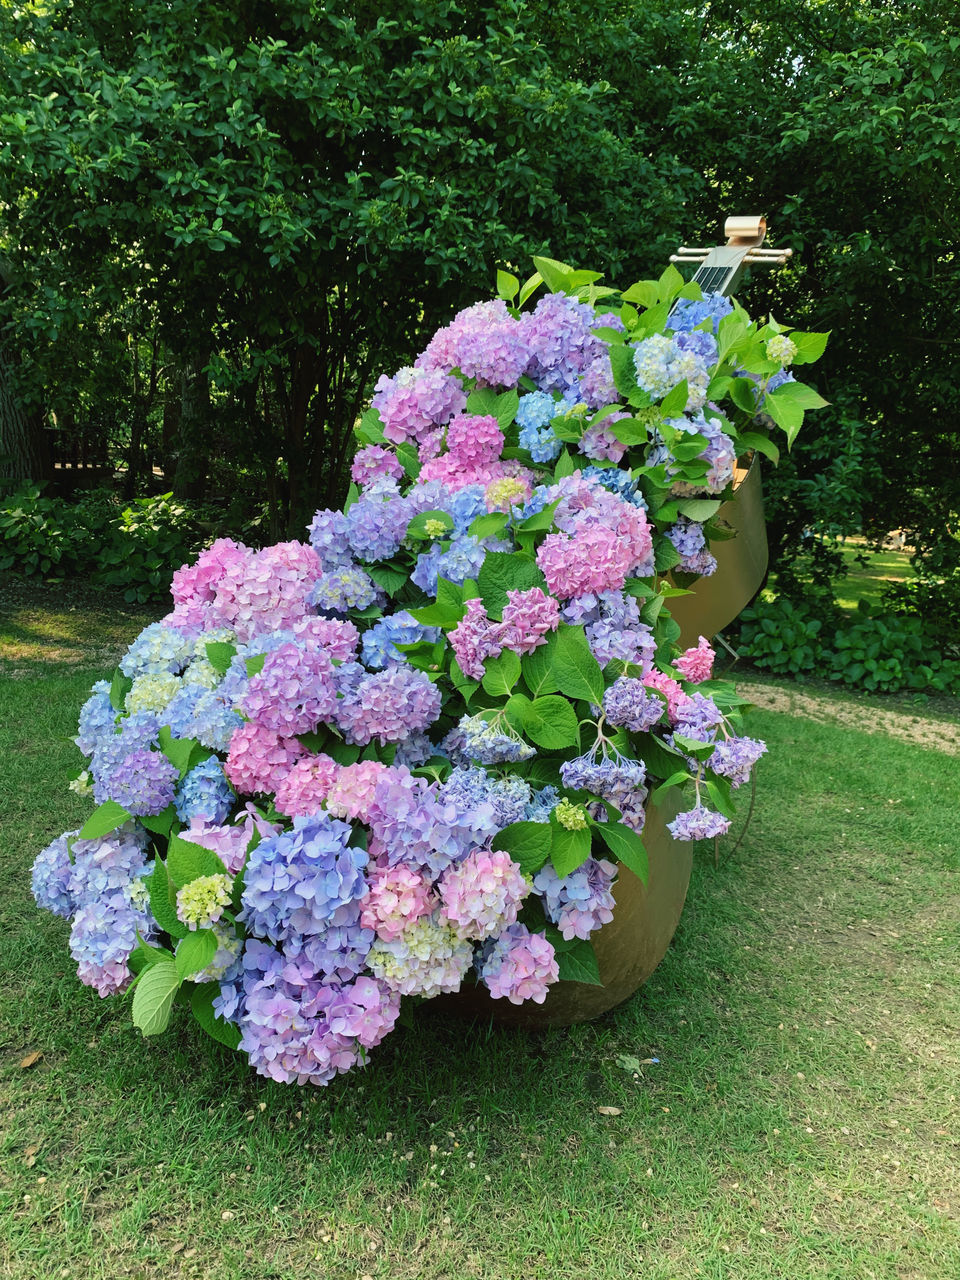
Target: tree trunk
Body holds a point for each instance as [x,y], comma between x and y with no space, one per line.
[24,446]
[193,449]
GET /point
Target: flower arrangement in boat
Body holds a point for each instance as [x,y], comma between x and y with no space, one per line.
[415,750]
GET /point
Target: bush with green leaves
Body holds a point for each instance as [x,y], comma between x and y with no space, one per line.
[875,650]
[133,547]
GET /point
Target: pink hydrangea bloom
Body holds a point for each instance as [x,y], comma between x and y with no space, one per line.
[268,591]
[351,793]
[474,639]
[520,966]
[475,439]
[337,636]
[303,790]
[258,758]
[414,401]
[293,692]
[670,688]
[482,894]
[600,443]
[365,1010]
[197,582]
[595,559]
[697,664]
[395,898]
[528,617]
[484,342]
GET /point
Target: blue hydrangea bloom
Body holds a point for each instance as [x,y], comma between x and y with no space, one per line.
[205,793]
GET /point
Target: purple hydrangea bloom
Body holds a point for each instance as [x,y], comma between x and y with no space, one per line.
[144,782]
[578,904]
[215,719]
[617,779]
[205,793]
[734,758]
[519,966]
[375,528]
[630,703]
[483,342]
[293,692]
[389,705]
[50,877]
[558,334]
[480,741]
[482,894]
[339,591]
[471,787]
[328,537]
[698,717]
[698,824]
[339,952]
[102,937]
[107,864]
[296,880]
[136,731]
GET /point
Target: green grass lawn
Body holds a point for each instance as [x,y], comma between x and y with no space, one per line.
[802,1119]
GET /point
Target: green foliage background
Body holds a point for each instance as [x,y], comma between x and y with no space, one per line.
[220,223]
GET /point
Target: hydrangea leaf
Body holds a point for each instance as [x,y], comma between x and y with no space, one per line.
[187,861]
[579,964]
[551,722]
[153,997]
[104,819]
[675,401]
[665,555]
[556,275]
[569,849]
[179,751]
[195,952]
[538,673]
[254,665]
[762,444]
[500,674]
[502,572]
[528,844]
[508,286]
[201,1005]
[160,823]
[699,509]
[417,528]
[575,670]
[163,901]
[387,576]
[810,346]
[143,955]
[220,654]
[120,686]
[626,846]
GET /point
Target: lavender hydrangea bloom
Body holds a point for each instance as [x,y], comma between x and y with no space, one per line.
[389,705]
[617,779]
[339,952]
[471,787]
[518,965]
[107,864]
[50,877]
[578,904]
[97,719]
[734,758]
[375,528]
[103,935]
[144,782]
[136,731]
[485,742]
[214,719]
[340,590]
[293,692]
[698,824]
[328,537]
[541,805]
[296,880]
[630,703]
[462,560]
[205,793]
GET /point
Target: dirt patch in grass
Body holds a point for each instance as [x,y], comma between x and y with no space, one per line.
[942,735]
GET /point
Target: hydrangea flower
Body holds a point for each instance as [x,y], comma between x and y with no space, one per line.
[519,965]
[97,719]
[305,786]
[482,894]
[389,705]
[734,758]
[144,782]
[580,903]
[396,896]
[698,823]
[50,877]
[103,935]
[293,692]
[428,958]
[259,758]
[200,903]
[205,793]
[696,664]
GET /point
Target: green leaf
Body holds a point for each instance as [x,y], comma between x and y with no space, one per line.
[530,288]
[195,952]
[675,401]
[565,466]
[579,964]
[506,409]
[669,284]
[743,393]
[644,293]
[551,723]
[626,846]
[569,850]
[699,509]
[370,430]
[665,555]
[409,459]
[502,572]
[201,1005]
[160,823]
[556,275]
[501,674]
[537,668]
[489,525]
[220,654]
[163,901]
[575,670]
[187,861]
[120,686]
[105,818]
[183,753]
[810,346]
[508,286]
[143,955]
[388,577]
[762,444]
[153,997]
[482,401]
[528,844]
[254,665]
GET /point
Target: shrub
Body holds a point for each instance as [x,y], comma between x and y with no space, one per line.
[782,637]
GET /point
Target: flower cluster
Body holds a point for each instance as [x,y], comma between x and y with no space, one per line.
[344,771]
